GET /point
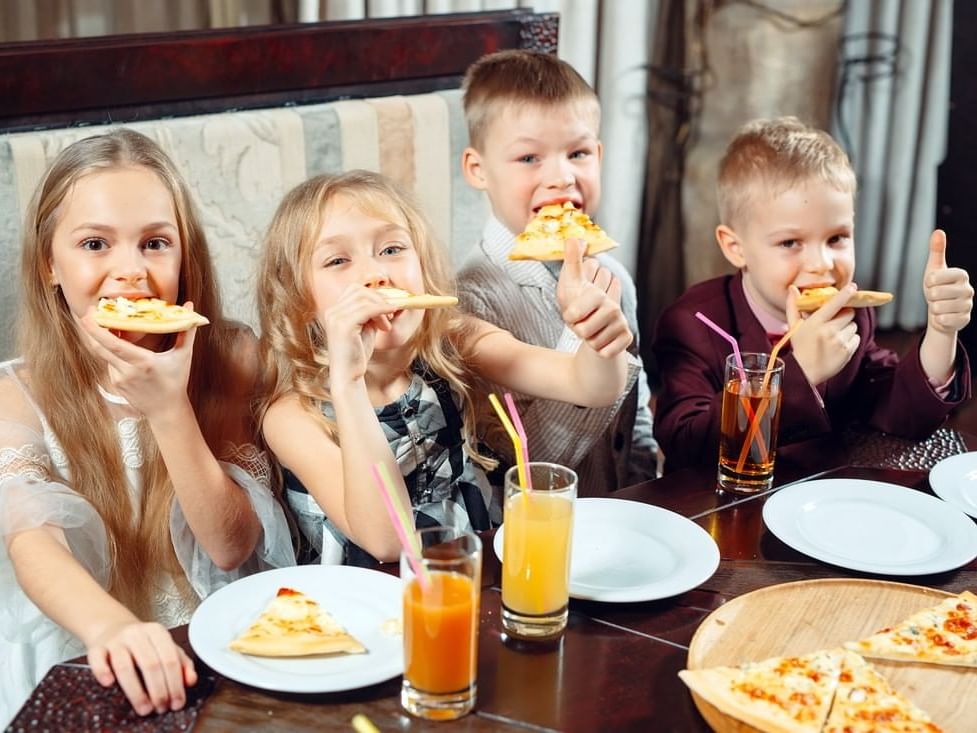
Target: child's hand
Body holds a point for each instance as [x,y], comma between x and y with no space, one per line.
[828,338]
[152,382]
[151,669]
[351,326]
[949,295]
[590,300]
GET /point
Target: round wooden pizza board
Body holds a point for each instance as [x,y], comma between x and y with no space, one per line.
[802,617]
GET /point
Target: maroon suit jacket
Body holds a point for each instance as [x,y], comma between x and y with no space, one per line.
[874,388]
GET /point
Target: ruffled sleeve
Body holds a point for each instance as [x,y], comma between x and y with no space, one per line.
[248,467]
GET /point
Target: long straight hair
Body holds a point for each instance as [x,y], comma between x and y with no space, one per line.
[293,345]
[64,375]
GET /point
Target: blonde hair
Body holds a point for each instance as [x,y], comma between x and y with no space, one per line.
[777,154]
[293,347]
[520,77]
[64,375]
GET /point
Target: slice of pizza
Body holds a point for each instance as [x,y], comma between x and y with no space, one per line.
[811,299]
[778,694]
[146,315]
[943,634]
[865,703]
[410,301]
[545,236]
[294,625]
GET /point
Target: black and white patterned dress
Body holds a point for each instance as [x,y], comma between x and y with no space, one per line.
[424,430]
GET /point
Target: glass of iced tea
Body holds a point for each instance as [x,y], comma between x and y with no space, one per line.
[749,422]
[538,529]
[441,616]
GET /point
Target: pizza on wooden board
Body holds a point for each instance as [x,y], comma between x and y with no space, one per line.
[865,702]
[813,298]
[294,625]
[409,301]
[943,634]
[146,315]
[545,236]
[777,695]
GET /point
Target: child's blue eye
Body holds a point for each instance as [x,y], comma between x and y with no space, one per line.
[838,239]
[577,154]
[392,249]
[93,244]
[334,261]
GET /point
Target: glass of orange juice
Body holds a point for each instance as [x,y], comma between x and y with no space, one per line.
[538,528]
[441,615]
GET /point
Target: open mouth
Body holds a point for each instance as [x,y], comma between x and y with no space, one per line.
[558,201]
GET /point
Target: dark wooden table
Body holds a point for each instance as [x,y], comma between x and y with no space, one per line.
[615,668]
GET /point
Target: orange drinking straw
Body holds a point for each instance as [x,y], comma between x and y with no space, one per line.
[514,437]
[401,523]
[761,408]
[521,432]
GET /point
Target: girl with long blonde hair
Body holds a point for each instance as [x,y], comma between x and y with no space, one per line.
[353,381]
[130,484]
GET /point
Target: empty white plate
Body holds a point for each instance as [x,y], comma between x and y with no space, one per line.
[954,480]
[871,526]
[628,551]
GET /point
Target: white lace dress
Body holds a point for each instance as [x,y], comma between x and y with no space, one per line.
[34,491]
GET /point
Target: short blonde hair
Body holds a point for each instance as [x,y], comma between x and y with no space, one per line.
[777,154]
[518,76]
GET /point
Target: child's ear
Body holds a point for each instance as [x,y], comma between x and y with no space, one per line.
[471,168]
[731,246]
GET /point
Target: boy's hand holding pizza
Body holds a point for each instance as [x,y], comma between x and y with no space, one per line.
[827,339]
[590,301]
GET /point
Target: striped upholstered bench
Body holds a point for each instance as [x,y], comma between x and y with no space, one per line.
[239,164]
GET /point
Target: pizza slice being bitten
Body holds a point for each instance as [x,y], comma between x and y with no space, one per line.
[777,694]
[146,315]
[811,299]
[545,236]
[294,625]
[409,301]
[865,703]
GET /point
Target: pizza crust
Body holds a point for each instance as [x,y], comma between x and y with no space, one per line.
[408,301]
[814,298]
[544,238]
[146,315]
[294,625]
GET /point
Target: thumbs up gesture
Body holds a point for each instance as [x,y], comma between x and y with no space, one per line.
[590,301]
[949,295]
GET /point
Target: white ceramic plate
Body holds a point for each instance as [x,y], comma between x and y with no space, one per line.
[359,599]
[628,551]
[871,526]
[954,480]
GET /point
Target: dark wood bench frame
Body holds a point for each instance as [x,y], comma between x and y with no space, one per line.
[153,76]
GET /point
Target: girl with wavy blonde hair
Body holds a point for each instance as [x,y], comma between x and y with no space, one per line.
[109,441]
[352,381]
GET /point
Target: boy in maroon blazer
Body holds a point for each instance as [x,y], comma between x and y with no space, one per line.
[786,199]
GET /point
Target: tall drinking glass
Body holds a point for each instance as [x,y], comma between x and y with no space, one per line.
[441,613]
[749,423]
[538,528]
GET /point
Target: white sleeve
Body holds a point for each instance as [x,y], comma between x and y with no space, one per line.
[248,468]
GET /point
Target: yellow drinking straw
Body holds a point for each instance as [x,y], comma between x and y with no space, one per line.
[514,436]
[761,408]
[362,724]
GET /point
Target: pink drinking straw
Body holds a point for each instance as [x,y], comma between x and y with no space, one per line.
[413,557]
[732,342]
[521,432]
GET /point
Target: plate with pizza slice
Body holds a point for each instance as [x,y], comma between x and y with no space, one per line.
[310,629]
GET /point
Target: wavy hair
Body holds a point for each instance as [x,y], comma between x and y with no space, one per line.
[293,346]
[64,375]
